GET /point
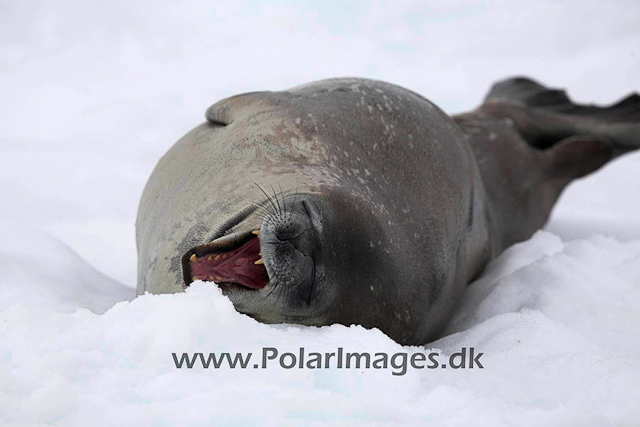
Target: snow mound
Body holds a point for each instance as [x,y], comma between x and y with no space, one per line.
[42,273]
[556,322]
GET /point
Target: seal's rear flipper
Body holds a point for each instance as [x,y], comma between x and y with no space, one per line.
[577,156]
[527,92]
[545,116]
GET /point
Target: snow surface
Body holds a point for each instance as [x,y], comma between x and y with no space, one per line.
[94,93]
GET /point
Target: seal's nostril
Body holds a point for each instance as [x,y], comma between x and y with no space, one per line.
[289,230]
[312,211]
[306,208]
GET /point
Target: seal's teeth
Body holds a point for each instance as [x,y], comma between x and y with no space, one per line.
[260,261]
[218,278]
[217,257]
[195,278]
[192,258]
[256,232]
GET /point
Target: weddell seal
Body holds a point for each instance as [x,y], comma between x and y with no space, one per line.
[355,201]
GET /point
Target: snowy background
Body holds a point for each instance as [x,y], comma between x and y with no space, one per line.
[93,93]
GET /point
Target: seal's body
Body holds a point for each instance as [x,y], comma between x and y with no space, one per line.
[357,201]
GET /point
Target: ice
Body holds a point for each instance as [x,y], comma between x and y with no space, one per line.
[93,94]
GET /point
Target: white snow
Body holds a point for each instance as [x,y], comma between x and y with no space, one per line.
[94,93]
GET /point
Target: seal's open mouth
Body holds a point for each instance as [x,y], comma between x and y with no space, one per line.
[237,262]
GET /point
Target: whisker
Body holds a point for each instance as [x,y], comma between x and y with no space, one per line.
[276,197]
[266,195]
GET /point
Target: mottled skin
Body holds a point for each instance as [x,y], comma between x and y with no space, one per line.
[409,204]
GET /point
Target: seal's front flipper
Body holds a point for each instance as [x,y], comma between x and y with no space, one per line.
[577,156]
[545,116]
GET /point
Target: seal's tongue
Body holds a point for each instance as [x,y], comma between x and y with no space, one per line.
[236,266]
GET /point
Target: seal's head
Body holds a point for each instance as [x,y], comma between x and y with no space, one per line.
[377,230]
[306,258]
